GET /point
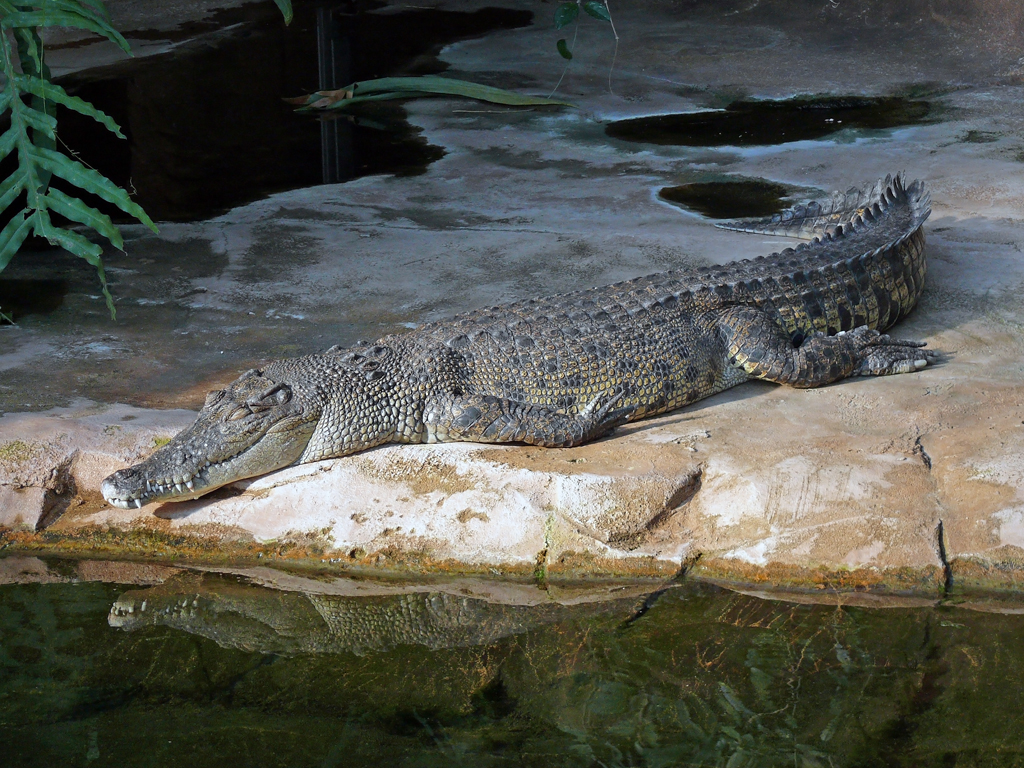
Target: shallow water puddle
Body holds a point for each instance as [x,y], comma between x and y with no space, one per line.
[760,123]
[207,669]
[21,297]
[206,125]
[733,199]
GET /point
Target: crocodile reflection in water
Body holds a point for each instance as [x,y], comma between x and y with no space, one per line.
[251,618]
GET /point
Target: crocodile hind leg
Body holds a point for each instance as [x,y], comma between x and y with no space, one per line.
[489,419]
[756,343]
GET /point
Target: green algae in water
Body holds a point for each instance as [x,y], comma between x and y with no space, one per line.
[750,123]
[223,673]
[750,198]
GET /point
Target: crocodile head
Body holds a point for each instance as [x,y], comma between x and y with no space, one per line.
[291,411]
[261,422]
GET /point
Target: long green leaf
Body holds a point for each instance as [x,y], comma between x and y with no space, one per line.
[434,85]
[13,236]
[89,11]
[8,140]
[91,181]
[328,103]
[597,9]
[12,187]
[76,210]
[565,14]
[286,9]
[78,245]
[52,92]
[33,63]
[30,51]
[40,121]
[98,7]
[32,19]
[71,241]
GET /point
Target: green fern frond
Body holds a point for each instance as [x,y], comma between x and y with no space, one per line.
[31,100]
[63,13]
[48,91]
[413,87]
[285,6]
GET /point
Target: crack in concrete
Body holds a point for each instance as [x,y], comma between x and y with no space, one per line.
[651,599]
[921,453]
[540,569]
[947,569]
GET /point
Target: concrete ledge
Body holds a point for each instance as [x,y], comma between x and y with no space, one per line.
[907,484]
[840,488]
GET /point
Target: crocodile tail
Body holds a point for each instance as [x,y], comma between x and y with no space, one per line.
[920,200]
[819,219]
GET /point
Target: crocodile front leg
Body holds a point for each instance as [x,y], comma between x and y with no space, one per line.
[756,343]
[489,419]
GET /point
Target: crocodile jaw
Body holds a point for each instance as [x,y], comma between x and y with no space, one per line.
[256,426]
[157,479]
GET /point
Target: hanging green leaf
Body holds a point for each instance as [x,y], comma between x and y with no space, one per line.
[412,87]
[11,187]
[32,136]
[52,92]
[40,121]
[8,140]
[76,210]
[563,50]
[597,9]
[285,7]
[89,180]
[56,18]
[13,235]
[566,14]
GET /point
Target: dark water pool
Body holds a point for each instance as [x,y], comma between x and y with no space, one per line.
[733,199]
[206,123]
[208,670]
[751,123]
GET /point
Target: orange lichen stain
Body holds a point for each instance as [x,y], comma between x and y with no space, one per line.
[998,570]
[157,543]
[584,565]
[927,580]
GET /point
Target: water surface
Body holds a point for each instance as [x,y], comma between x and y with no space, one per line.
[751,123]
[206,123]
[213,671]
[732,199]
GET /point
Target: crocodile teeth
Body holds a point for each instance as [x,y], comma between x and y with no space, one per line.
[137,503]
[189,484]
[179,487]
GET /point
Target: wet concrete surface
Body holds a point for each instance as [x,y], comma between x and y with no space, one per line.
[534,202]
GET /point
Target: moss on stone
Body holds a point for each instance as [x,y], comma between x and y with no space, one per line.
[17,451]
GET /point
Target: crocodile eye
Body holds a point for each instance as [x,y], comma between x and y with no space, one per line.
[239,413]
[279,394]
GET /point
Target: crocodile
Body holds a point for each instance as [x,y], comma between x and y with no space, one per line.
[568,369]
[235,614]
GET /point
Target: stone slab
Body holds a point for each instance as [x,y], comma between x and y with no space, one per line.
[911,483]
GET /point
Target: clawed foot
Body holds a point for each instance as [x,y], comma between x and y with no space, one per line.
[601,418]
[880,355]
